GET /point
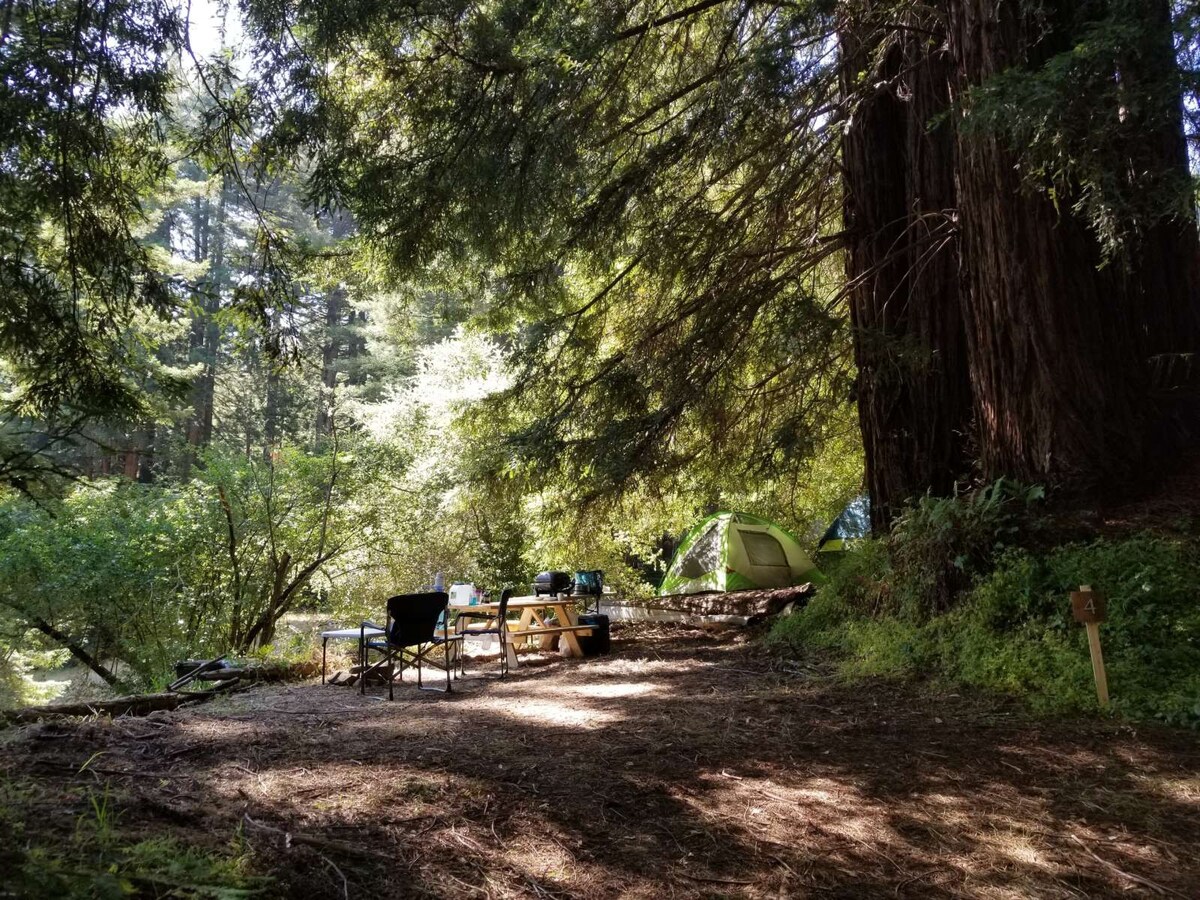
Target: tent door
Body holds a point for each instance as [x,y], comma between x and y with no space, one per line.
[767,563]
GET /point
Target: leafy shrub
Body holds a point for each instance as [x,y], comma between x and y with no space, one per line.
[11,682]
[16,688]
[847,619]
[858,587]
[1015,629]
[1011,629]
[133,576]
[940,544]
[107,566]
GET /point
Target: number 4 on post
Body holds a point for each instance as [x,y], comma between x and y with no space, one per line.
[1089,607]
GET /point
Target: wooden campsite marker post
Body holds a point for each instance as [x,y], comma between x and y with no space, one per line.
[1089,608]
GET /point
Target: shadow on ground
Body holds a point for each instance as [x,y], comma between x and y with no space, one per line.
[682,765]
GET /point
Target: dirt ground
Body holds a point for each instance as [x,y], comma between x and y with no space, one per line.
[683,765]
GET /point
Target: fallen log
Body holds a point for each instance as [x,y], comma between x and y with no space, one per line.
[227,674]
[746,606]
[374,674]
[132,705]
[197,672]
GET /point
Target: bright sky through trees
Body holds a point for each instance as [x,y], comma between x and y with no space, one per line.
[212,25]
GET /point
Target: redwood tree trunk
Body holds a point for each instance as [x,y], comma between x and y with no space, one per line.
[1061,347]
[914,398]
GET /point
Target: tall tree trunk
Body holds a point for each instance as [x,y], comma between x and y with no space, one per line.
[271,412]
[209,240]
[1061,346]
[914,397]
[356,346]
[145,473]
[271,431]
[329,357]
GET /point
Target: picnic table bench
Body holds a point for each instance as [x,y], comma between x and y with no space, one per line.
[532,624]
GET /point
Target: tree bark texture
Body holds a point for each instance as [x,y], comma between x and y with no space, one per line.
[914,398]
[132,705]
[329,357]
[209,223]
[993,337]
[1061,345]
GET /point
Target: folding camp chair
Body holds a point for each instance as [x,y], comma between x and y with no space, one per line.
[416,624]
[499,628]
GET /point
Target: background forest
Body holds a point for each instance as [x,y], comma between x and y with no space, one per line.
[305,302]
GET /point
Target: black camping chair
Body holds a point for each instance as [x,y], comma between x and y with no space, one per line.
[500,628]
[412,627]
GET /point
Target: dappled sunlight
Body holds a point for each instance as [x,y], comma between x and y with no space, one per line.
[547,711]
[818,790]
[619,666]
[1181,790]
[835,806]
[990,842]
[328,785]
[949,809]
[1009,840]
[542,858]
[611,691]
[639,776]
[226,728]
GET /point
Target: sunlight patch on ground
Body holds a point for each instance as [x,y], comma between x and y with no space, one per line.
[337,784]
[227,730]
[836,806]
[819,790]
[951,807]
[1012,843]
[609,691]
[643,667]
[989,843]
[1181,790]
[545,711]
[994,837]
[542,859]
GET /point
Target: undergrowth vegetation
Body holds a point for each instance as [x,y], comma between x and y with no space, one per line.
[128,577]
[102,859]
[975,590]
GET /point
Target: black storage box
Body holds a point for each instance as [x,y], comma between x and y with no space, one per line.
[599,642]
[552,583]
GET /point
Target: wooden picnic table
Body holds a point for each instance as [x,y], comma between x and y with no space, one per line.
[532,624]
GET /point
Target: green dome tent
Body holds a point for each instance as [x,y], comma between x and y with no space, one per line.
[732,551]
